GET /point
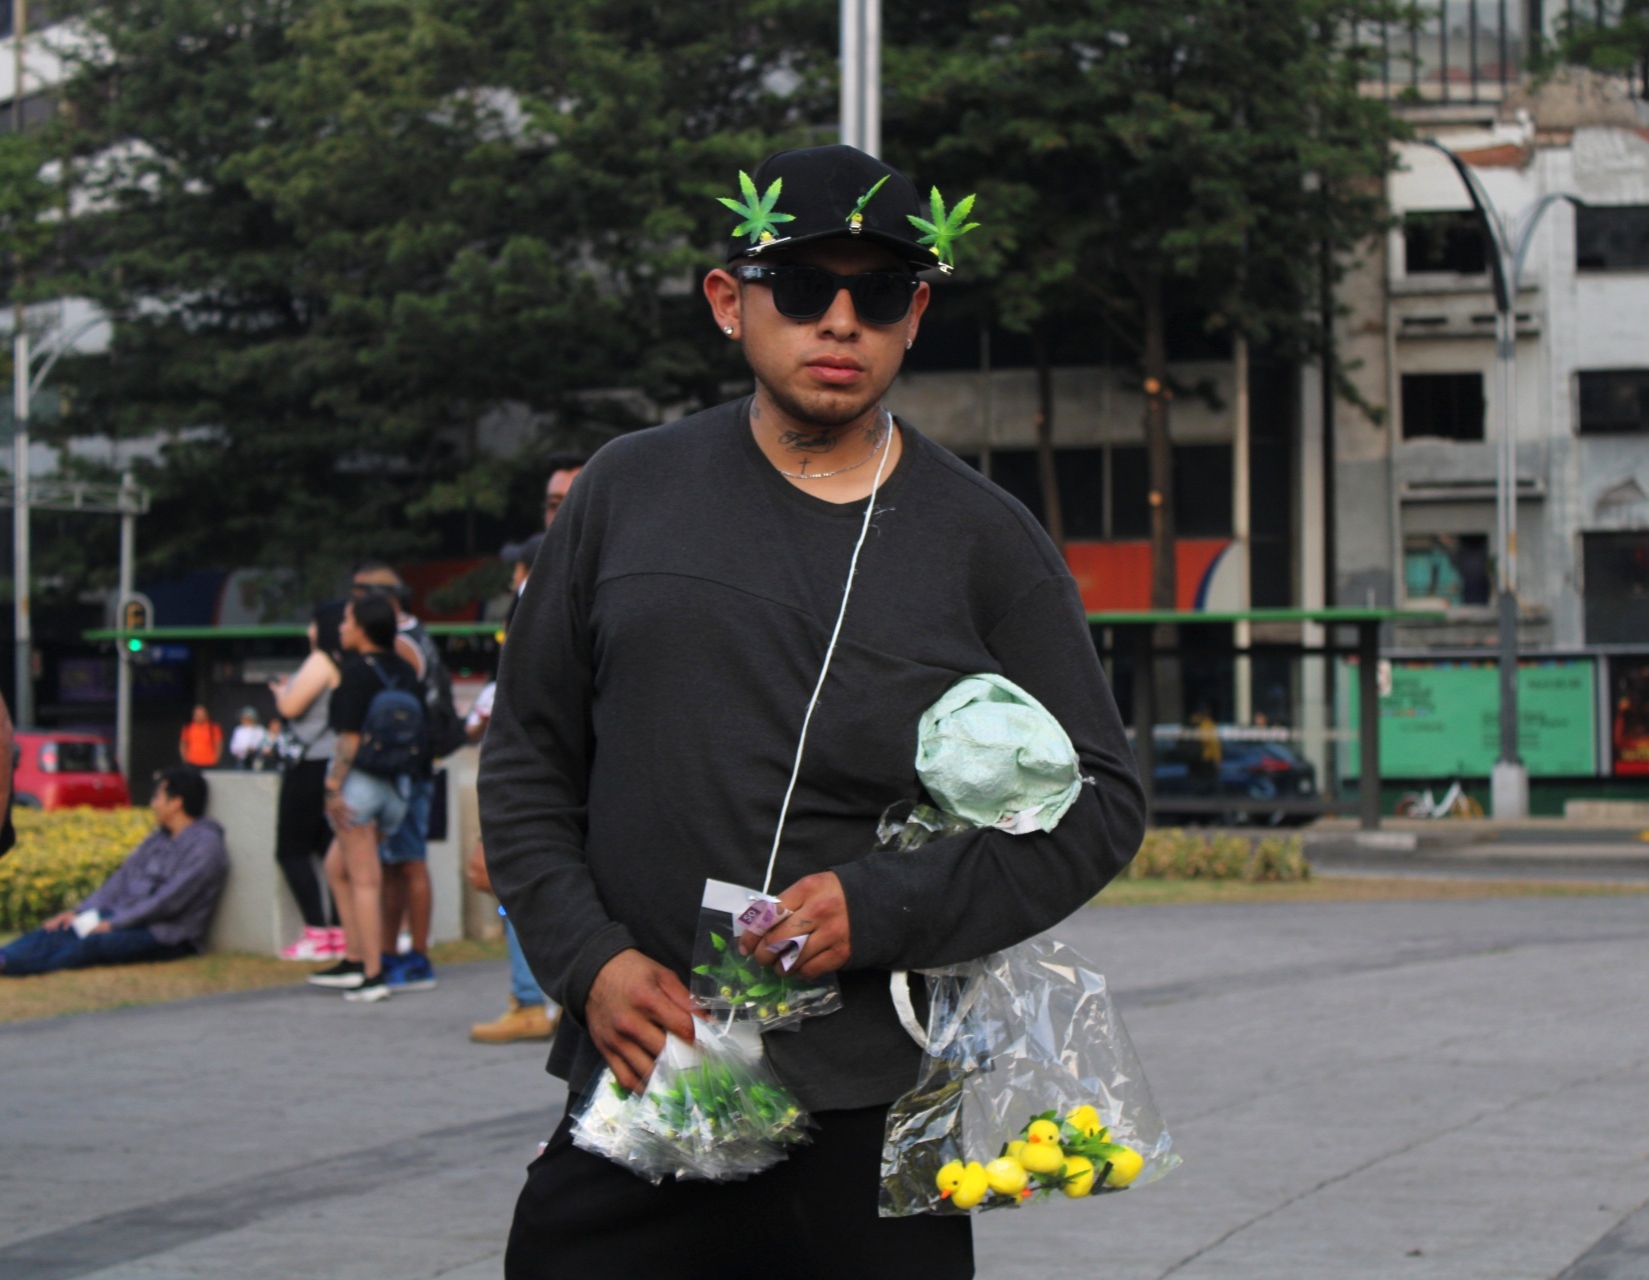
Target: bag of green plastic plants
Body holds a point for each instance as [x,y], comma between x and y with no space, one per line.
[712,1110]
[725,981]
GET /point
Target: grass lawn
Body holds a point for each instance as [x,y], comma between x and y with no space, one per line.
[84,990]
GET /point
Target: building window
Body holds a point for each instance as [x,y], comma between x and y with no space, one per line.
[1451,569]
[1614,400]
[1450,241]
[1616,566]
[1445,406]
[1612,237]
[37,109]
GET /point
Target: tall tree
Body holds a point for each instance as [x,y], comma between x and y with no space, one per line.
[334,235]
[1134,159]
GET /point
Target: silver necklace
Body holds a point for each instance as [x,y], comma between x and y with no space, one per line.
[881,439]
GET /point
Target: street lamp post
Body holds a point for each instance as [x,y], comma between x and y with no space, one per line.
[861,98]
[24,389]
[1509,245]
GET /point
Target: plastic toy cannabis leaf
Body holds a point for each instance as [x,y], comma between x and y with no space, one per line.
[757,211]
[856,219]
[941,234]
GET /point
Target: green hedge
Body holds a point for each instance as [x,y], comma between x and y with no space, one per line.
[61,857]
[1172,853]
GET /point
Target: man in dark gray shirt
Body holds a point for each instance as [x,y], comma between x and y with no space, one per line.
[158,903]
[649,705]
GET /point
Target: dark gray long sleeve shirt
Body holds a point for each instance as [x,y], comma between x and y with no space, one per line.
[654,684]
[169,884]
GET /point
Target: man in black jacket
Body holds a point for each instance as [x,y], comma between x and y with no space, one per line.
[648,713]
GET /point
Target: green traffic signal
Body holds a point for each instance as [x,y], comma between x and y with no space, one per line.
[135,645]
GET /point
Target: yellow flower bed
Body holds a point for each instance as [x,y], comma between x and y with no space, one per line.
[1172,853]
[61,857]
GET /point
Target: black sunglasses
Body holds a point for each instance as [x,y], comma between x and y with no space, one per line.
[805,293]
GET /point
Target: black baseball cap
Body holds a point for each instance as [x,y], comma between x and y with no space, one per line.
[823,188]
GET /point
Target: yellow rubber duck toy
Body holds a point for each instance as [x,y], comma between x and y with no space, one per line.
[1085,1120]
[1079,1177]
[1042,1153]
[971,1190]
[949,1178]
[1006,1176]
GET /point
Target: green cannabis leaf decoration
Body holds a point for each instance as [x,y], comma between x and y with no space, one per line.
[757,211]
[941,234]
[856,219]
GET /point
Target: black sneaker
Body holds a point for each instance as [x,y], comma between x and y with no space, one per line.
[370,991]
[346,975]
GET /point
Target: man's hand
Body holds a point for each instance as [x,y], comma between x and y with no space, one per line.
[818,908]
[62,920]
[102,926]
[632,1003]
[475,869]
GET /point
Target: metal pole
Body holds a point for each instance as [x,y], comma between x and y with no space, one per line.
[871,84]
[21,650]
[128,573]
[853,70]
[1368,726]
[861,92]
[1240,534]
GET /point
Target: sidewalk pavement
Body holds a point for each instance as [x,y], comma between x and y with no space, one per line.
[1426,1090]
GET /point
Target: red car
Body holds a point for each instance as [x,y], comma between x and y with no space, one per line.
[61,770]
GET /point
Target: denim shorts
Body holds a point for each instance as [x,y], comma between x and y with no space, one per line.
[374,799]
[411,842]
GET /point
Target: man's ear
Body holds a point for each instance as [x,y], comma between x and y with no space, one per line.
[918,304]
[722,293]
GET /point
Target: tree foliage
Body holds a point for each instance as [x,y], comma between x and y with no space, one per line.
[335,235]
[1211,155]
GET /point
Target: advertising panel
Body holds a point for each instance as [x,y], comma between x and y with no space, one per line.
[1442,719]
[1629,716]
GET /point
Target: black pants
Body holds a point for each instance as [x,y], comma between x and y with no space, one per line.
[302,836]
[584,1218]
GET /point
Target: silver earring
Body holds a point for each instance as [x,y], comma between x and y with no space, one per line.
[727,329]
[909,343]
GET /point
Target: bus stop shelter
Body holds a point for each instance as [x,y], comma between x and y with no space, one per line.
[1345,633]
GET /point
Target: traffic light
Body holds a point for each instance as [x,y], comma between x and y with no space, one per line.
[135,615]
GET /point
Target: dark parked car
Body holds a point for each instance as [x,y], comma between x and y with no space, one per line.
[1255,764]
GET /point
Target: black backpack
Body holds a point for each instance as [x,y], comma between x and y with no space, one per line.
[442,723]
[393,737]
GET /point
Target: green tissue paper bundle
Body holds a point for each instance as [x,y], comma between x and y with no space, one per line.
[990,753]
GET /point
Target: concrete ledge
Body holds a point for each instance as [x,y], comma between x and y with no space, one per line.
[1606,812]
[257,913]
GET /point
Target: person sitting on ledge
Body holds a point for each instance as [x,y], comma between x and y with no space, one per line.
[156,906]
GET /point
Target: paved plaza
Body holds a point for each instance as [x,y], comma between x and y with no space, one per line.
[1426,1090]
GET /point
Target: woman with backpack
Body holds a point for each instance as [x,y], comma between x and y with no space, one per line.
[302,835]
[379,719]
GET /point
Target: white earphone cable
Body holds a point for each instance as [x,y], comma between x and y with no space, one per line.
[830,652]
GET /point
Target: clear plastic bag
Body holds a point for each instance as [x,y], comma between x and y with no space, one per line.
[1024,1047]
[724,981]
[712,1110]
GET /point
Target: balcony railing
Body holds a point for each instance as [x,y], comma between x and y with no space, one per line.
[1468,52]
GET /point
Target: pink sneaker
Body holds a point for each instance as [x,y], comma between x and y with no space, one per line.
[315,944]
[336,940]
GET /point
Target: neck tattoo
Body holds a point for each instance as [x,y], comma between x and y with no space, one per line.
[882,432]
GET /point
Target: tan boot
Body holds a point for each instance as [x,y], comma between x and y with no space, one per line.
[519,1022]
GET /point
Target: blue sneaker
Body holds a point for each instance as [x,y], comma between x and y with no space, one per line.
[410,971]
